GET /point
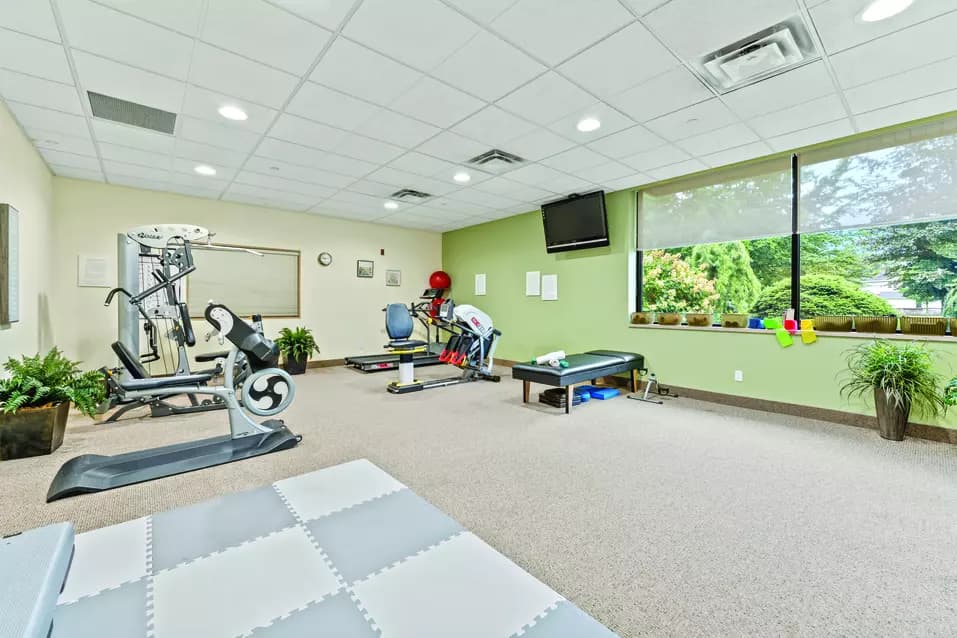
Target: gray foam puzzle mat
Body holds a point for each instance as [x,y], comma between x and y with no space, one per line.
[343,552]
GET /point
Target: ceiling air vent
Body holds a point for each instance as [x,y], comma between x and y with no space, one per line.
[117,110]
[409,194]
[767,53]
[495,161]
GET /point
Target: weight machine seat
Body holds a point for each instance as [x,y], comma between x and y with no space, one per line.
[154,383]
[130,361]
[581,367]
[211,356]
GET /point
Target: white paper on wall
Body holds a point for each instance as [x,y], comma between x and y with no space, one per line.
[480,284]
[533,284]
[549,287]
[94,271]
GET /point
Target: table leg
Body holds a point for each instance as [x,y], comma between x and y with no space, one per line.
[526,386]
[569,395]
[634,381]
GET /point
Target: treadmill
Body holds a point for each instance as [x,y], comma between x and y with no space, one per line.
[386,361]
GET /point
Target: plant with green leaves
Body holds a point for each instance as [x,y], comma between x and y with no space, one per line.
[671,284]
[820,295]
[904,372]
[297,344]
[46,381]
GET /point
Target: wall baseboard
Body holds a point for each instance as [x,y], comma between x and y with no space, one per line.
[917,430]
[326,363]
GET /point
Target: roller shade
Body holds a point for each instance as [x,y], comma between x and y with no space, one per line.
[743,202]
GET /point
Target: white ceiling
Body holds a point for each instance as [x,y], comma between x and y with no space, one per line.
[350,100]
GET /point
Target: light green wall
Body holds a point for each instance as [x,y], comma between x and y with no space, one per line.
[592,312]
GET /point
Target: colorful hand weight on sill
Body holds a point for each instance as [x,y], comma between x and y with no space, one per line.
[782,335]
[807,331]
[756,323]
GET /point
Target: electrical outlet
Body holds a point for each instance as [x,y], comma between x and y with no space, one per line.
[739,375]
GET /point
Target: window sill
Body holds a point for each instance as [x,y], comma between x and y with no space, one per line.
[841,335]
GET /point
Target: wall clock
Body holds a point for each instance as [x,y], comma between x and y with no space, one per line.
[325,259]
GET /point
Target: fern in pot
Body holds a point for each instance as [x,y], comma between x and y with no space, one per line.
[296,346]
[35,402]
[902,380]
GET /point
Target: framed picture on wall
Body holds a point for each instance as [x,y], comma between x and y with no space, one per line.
[365,268]
[393,278]
[9,264]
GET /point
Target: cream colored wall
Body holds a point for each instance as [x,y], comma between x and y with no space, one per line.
[343,310]
[27,185]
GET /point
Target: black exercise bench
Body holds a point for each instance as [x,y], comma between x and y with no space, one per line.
[588,366]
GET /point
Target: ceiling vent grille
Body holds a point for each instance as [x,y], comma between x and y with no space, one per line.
[409,194]
[117,110]
[759,56]
[495,161]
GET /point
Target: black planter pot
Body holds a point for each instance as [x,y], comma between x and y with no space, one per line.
[891,418]
[295,366]
[32,431]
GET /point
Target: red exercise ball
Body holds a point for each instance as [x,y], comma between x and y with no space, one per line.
[440,279]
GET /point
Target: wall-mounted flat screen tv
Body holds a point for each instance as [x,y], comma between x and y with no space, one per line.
[577,222]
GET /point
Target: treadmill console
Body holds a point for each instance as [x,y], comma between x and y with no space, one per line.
[433,293]
[446,310]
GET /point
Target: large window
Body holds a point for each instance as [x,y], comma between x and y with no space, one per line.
[867,227]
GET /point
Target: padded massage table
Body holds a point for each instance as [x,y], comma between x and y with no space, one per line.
[588,366]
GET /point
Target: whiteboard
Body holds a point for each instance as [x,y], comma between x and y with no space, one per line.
[248,284]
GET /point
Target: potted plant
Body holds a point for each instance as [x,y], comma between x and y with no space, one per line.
[901,377]
[296,346]
[35,402]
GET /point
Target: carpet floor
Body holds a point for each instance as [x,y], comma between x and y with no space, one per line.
[688,519]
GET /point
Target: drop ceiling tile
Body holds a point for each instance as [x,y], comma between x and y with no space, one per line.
[70,160]
[574,160]
[119,169]
[656,158]
[611,122]
[31,116]
[137,182]
[643,7]
[502,186]
[677,170]
[401,179]
[76,173]
[693,28]
[363,73]
[619,62]
[181,15]
[694,120]
[627,183]
[174,186]
[33,18]
[33,56]
[662,94]
[904,87]
[781,91]
[737,154]
[303,189]
[546,99]
[900,51]
[605,173]
[111,34]
[127,155]
[306,132]
[839,26]
[79,144]
[539,144]
[310,157]
[215,134]
[488,67]
[269,166]
[483,10]
[420,33]
[372,188]
[205,104]
[436,103]
[480,198]
[39,92]
[271,197]
[330,107]
[554,31]
[819,111]
[627,142]
[493,127]
[813,135]
[566,185]
[265,33]
[536,175]
[451,147]
[231,74]
[397,129]
[718,140]
[361,202]
[134,85]
[425,165]
[205,154]
[907,111]
[328,13]
[368,149]
[183,172]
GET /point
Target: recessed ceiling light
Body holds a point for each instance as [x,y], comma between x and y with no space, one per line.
[231,112]
[203,169]
[391,205]
[462,177]
[588,124]
[883,9]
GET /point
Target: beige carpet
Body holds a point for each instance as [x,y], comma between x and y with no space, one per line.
[687,519]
